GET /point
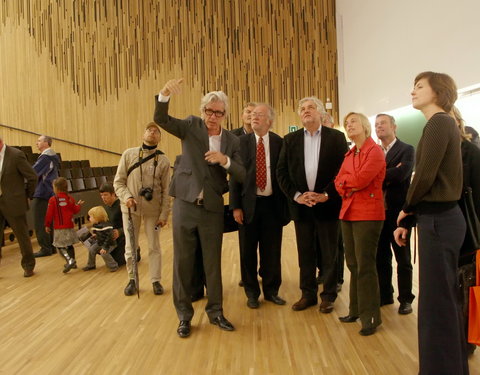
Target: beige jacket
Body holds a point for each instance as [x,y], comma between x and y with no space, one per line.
[130,187]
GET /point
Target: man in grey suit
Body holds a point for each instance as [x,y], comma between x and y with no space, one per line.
[208,154]
[14,171]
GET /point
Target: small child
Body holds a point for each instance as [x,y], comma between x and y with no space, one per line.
[103,231]
[61,208]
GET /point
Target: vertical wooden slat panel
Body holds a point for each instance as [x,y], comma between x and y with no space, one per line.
[92,66]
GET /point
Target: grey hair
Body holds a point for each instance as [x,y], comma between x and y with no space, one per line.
[214,96]
[47,139]
[271,111]
[314,99]
[392,119]
[328,116]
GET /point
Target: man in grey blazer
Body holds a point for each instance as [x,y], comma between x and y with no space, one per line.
[208,154]
[14,171]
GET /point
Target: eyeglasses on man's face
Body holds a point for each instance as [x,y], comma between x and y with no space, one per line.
[210,112]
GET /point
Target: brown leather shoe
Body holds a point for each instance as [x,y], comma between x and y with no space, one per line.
[303,303]
[326,307]
[28,273]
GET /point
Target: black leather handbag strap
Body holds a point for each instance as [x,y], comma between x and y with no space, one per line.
[142,160]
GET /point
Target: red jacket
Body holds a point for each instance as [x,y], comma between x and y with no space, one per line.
[364,171]
[61,208]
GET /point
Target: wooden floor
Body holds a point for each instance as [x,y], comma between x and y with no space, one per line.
[81,323]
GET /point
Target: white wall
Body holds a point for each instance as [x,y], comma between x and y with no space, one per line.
[383,44]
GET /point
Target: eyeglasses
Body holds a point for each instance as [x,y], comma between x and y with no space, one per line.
[258,114]
[210,112]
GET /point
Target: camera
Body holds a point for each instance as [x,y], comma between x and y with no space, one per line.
[147,193]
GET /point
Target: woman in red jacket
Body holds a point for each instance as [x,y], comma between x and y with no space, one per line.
[61,208]
[359,183]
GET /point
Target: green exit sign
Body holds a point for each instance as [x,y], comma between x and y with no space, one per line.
[292,128]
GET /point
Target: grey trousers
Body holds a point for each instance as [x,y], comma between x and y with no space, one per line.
[44,239]
[361,240]
[107,258]
[192,223]
[20,230]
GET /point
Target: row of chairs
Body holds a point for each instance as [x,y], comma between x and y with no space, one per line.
[88,183]
[86,172]
[75,164]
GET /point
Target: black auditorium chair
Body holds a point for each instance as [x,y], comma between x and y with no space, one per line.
[87,172]
[67,173]
[77,173]
[65,164]
[90,183]
[85,163]
[97,171]
[69,184]
[100,180]
[78,184]
[76,163]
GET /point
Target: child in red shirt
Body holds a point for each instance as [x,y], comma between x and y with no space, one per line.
[61,208]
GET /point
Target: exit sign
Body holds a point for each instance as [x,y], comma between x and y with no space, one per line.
[292,128]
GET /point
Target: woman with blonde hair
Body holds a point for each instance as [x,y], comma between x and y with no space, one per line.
[359,183]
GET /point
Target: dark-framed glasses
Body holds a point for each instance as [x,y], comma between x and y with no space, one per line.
[210,112]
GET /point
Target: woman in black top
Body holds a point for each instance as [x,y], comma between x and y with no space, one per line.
[432,199]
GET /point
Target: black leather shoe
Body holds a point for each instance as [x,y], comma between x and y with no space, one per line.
[405,308]
[88,268]
[183,329]
[326,307]
[28,273]
[368,331]
[275,299]
[303,303]
[42,253]
[157,288]
[222,323]
[348,319]
[130,289]
[253,303]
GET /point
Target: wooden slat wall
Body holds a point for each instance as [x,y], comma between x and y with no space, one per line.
[87,70]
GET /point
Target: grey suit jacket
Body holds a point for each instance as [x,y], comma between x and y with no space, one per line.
[193,174]
[16,169]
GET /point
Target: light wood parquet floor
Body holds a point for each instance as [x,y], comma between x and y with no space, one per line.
[81,323]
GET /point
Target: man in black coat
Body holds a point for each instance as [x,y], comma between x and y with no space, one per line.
[17,183]
[307,166]
[246,127]
[259,207]
[400,160]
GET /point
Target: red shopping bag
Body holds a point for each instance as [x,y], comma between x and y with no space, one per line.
[474,307]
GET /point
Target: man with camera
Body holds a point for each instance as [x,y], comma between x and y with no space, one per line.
[141,183]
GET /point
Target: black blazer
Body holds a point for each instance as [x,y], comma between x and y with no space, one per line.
[18,181]
[238,131]
[244,195]
[400,160]
[292,178]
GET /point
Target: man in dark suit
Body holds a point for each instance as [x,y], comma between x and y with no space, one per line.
[259,206]
[400,160]
[308,163]
[14,171]
[246,128]
[208,154]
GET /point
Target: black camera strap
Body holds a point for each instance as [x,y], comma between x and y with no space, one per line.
[142,160]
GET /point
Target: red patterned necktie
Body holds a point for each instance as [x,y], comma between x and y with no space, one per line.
[261,176]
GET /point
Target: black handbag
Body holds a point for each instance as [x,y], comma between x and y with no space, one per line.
[472,236]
